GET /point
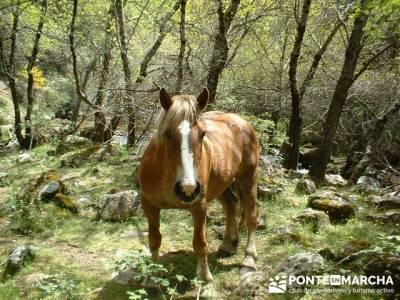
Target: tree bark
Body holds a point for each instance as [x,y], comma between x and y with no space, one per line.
[181,55]
[318,169]
[32,60]
[371,149]
[220,52]
[296,121]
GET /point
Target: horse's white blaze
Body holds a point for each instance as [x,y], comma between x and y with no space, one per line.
[188,180]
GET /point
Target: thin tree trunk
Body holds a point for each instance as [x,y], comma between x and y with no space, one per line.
[371,148]
[15,95]
[100,120]
[181,55]
[32,60]
[220,52]
[318,168]
[296,120]
[127,74]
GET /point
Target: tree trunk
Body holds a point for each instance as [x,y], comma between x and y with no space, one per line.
[221,49]
[371,148]
[32,60]
[339,97]
[127,74]
[181,55]
[296,121]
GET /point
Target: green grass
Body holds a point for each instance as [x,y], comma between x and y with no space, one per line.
[83,247]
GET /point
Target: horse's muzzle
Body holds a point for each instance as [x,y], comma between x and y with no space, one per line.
[185,198]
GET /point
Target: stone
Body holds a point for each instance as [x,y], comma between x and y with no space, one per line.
[253,285]
[220,231]
[305,263]
[50,190]
[85,202]
[353,246]
[72,142]
[327,254]
[317,218]
[386,201]
[310,137]
[307,156]
[55,129]
[305,186]
[24,158]
[262,222]
[120,206]
[367,184]
[66,202]
[33,279]
[335,179]
[286,234]
[391,217]
[269,193]
[17,259]
[335,205]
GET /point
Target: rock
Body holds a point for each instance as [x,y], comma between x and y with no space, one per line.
[253,285]
[305,186]
[335,205]
[387,201]
[120,206]
[306,263]
[353,246]
[262,222]
[367,184]
[335,179]
[310,137]
[66,202]
[307,157]
[24,158]
[317,218]
[55,129]
[72,142]
[50,190]
[220,231]
[286,234]
[33,279]
[392,217]
[385,265]
[16,260]
[327,254]
[269,193]
[79,158]
[85,202]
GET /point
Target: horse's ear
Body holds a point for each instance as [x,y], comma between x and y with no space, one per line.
[165,99]
[202,99]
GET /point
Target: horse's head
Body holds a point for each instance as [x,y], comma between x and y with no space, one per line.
[182,133]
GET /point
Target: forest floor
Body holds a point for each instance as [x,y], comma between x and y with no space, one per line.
[76,253]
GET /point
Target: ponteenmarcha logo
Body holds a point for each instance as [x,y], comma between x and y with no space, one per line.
[277,284]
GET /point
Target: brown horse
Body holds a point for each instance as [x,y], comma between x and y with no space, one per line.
[193,159]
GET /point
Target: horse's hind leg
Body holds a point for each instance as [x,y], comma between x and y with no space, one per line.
[248,194]
[231,237]
[152,214]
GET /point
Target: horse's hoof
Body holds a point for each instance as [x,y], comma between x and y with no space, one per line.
[208,292]
[244,270]
[225,253]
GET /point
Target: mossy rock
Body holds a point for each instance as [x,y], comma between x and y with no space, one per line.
[66,202]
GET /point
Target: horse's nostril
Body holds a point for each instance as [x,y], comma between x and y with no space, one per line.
[187,193]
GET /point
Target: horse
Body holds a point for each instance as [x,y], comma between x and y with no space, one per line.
[192,159]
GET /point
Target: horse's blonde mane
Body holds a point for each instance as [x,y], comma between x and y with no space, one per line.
[184,107]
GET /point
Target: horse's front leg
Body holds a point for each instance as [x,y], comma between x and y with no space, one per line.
[152,214]
[200,246]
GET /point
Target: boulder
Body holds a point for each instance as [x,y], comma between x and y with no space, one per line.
[307,157]
[253,285]
[386,201]
[17,259]
[269,193]
[50,190]
[305,263]
[24,158]
[390,217]
[286,234]
[66,202]
[72,142]
[367,184]
[305,186]
[310,137]
[316,218]
[120,206]
[55,129]
[335,179]
[338,207]
[352,247]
